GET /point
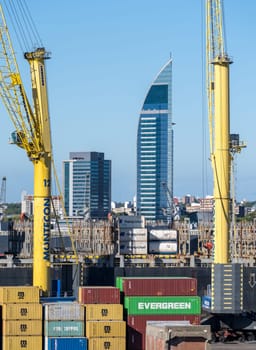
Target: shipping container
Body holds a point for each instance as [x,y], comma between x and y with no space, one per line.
[22,311]
[107,343]
[159,286]
[19,295]
[63,311]
[105,329]
[139,322]
[64,328]
[126,221]
[101,312]
[171,336]
[99,295]
[162,247]
[65,343]
[163,305]
[136,327]
[22,327]
[133,248]
[133,234]
[22,343]
[163,235]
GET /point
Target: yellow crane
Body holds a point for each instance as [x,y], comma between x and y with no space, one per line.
[227,277]
[33,134]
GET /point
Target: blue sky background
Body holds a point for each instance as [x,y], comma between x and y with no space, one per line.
[105,54]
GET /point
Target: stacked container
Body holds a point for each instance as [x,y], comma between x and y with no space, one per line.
[104,325]
[157,299]
[21,318]
[132,236]
[64,326]
[163,241]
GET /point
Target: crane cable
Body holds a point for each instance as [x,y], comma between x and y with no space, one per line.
[23,24]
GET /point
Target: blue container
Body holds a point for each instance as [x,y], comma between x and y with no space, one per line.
[65,343]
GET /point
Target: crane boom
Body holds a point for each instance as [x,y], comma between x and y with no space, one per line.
[32,133]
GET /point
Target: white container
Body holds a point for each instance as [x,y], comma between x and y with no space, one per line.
[133,234]
[63,311]
[133,248]
[163,247]
[126,221]
[163,235]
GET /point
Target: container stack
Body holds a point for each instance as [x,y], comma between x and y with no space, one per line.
[22,325]
[163,242]
[64,326]
[157,299]
[132,236]
[104,324]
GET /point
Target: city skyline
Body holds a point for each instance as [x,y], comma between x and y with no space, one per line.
[103,57]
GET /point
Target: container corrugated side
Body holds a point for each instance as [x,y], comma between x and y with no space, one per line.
[22,311]
[64,328]
[22,342]
[162,247]
[107,343]
[105,329]
[101,312]
[159,286]
[19,295]
[22,327]
[133,248]
[163,235]
[99,295]
[166,305]
[65,343]
[139,322]
[63,311]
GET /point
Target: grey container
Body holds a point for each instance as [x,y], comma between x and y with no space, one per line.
[63,311]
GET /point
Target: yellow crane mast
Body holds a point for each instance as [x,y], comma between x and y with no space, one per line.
[227,277]
[32,133]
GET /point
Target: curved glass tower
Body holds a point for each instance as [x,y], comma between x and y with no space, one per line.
[155,150]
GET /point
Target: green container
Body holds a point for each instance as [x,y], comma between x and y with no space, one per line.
[162,305]
[119,283]
[64,328]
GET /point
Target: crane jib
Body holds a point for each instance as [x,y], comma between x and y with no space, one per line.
[47,225]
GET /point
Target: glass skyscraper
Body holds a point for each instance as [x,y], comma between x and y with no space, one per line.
[87,185]
[155,150]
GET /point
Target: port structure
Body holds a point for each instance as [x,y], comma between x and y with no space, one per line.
[227,277]
[32,133]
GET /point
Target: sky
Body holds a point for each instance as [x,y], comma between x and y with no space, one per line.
[104,56]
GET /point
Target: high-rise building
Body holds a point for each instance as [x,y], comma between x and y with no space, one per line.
[87,185]
[155,150]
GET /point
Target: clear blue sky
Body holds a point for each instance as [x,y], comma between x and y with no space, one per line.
[105,54]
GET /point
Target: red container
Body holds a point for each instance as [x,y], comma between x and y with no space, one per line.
[136,327]
[160,286]
[99,295]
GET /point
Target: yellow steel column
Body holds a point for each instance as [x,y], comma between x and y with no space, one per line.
[42,222]
[221,160]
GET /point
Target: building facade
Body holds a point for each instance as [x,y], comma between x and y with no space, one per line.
[155,150]
[87,185]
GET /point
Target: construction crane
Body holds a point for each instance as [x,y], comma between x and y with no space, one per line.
[227,288]
[32,133]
